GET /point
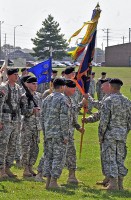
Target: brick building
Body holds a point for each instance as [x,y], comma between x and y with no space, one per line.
[118,55]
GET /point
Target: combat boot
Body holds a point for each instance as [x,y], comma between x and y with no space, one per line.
[53,183]
[31,171]
[39,177]
[72,178]
[105,182]
[9,173]
[27,172]
[120,182]
[3,173]
[113,184]
[48,182]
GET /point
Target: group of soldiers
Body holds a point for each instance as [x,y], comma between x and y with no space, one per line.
[24,112]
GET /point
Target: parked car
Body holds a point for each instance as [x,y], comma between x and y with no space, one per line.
[57,64]
[67,63]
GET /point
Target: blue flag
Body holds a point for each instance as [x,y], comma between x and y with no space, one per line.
[42,71]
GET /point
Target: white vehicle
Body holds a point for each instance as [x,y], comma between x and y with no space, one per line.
[57,64]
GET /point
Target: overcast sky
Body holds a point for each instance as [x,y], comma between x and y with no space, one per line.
[70,14]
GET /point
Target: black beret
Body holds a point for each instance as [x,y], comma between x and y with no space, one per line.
[63,72]
[103,73]
[24,78]
[69,70]
[12,71]
[54,71]
[23,69]
[116,81]
[31,79]
[70,83]
[105,80]
[58,82]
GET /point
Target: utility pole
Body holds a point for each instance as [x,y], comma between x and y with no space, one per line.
[107,35]
[129,35]
[1,22]
[123,38]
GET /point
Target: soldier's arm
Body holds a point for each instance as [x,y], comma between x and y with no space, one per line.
[92,118]
[25,110]
[3,94]
[105,115]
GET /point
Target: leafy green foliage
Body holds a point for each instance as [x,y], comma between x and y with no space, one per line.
[48,37]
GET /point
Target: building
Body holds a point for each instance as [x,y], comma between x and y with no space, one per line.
[118,55]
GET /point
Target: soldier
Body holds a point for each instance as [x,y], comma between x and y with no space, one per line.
[55,125]
[54,73]
[9,121]
[18,142]
[71,151]
[96,117]
[100,94]
[48,91]
[115,123]
[77,102]
[31,127]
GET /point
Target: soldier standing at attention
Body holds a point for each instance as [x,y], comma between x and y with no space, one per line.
[99,92]
[115,123]
[9,121]
[30,128]
[55,124]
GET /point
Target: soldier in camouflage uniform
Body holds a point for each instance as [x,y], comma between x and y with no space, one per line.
[99,92]
[76,104]
[9,120]
[66,127]
[18,142]
[115,123]
[30,128]
[96,117]
[55,124]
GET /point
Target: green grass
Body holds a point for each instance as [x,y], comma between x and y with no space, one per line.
[89,168]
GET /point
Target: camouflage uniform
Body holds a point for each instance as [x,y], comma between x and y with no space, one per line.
[8,135]
[55,117]
[30,130]
[100,93]
[42,87]
[71,151]
[115,123]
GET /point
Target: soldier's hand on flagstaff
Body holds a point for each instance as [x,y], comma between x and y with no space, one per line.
[83,120]
[36,110]
[81,130]
[86,95]
[84,102]
[1,126]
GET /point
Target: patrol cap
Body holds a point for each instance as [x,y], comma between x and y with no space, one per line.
[23,69]
[54,71]
[103,73]
[58,82]
[69,70]
[31,79]
[116,81]
[12,71]
[24,78]
[70,83]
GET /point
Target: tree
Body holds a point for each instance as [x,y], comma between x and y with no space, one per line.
[49,36]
